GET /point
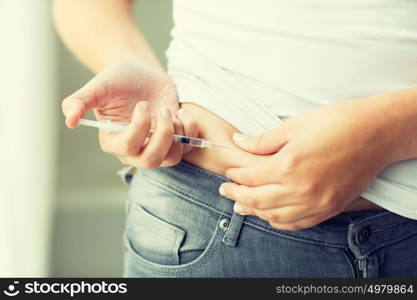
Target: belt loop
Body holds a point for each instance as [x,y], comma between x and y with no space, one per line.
[232,233]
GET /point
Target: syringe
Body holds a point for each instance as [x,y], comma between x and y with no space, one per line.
[109,126]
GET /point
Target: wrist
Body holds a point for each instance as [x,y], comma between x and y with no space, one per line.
[130,57]
[392,124]
[369,132]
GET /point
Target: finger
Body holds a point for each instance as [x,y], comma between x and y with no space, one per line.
[190,126]
[137,131]
[174,154]
[304,223]
[284,214]
[269,142]
[168,97]
[290,217]
[160,142]
[244,210]
[258,197]
[74,108]
[79,103]
[130,141]
[254,175]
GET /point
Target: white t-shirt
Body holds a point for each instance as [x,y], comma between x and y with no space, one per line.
[252,62]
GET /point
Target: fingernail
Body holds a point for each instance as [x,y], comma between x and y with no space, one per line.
[238,208]
[166,113]
[222,190]
[227,175]
[144,106]
[237,137]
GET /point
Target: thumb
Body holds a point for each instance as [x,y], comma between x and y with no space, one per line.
[77,105]
[269,142]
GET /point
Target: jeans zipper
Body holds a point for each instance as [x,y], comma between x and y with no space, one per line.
[359,266]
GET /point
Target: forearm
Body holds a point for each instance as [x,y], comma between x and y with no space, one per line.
[394,115]
[101,32]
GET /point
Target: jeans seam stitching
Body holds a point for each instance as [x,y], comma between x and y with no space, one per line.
[180,193]
[390,242]
[272,231]
[201,171]
[164,186]
[292,237]
[349,260]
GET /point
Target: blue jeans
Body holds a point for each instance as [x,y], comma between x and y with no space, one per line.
[179,226]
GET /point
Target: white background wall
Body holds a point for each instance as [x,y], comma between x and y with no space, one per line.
[28,144]
[61,202]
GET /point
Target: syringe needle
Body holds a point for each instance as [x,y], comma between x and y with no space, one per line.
[219,146]
[110,126]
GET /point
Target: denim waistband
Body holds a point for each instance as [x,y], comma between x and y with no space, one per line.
[201,187]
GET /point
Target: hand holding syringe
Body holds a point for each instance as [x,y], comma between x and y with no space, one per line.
[109,126]
[141,94]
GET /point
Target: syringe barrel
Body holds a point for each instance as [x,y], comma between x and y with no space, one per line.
[196,142]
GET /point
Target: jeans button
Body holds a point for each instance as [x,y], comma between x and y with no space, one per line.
[224,224]
[363,235]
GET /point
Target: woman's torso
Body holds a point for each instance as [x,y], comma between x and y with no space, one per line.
[243,64]
[285,57]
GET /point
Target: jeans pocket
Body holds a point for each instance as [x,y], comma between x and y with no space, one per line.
[153,238]
[167,232]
